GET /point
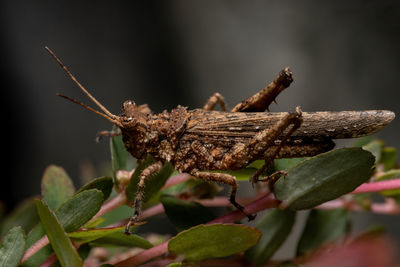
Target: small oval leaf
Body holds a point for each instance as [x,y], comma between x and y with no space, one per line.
[213,241]
[12,247]
[57,187]
[119,238]
[104,184]
[324,177]
[79,209]
[376,148]
[185,214]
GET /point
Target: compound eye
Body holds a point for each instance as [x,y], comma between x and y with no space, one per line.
[129,108]
[128,104]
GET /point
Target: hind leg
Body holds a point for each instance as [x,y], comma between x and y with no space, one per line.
[242,153]
[261,100]
[225,179]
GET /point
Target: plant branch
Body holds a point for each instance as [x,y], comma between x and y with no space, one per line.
[377,186]
[110,205]
[42,242]
[388,207]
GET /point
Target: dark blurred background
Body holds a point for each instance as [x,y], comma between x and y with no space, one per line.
[344,55]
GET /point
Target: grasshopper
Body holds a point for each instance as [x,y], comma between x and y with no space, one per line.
[202,141]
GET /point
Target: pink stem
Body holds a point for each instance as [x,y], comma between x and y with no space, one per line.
[49,261]
[110,205]
[377,186]
[35,248]
[265,202]
[215,202]
[388,207]
[177,179]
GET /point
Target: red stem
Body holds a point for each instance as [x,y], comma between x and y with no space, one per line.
[377,186]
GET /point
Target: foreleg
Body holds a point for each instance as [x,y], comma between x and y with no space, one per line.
[213,100]
[108,134]
[225,179]
[137,206]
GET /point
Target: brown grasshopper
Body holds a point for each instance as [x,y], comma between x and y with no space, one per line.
[201,140]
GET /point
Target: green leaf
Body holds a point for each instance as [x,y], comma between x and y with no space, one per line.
[275,227]
[116,215]
[323,227]
[388,158]
[175,264]
[196,188]
[104,184]
[362,141]
[323,178]
[213,241]
[94,223]
[12,247]
[23,215]
[256,164]
[121,239]
[376,148]
[241,175]
[79,209]
[118,154]
[57,187]
[84,251]
[245,173]
[389,175]
[152,185]
[185,214]
[286,164]
[85,236]
[61,244]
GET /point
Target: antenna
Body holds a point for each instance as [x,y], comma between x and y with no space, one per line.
[108,115]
